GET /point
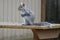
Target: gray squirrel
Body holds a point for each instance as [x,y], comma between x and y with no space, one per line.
[29,17]
[27,14]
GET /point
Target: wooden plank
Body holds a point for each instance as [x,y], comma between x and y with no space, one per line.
[55,26]
[22,27]
[19,26]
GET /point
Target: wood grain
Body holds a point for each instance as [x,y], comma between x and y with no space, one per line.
[30,27]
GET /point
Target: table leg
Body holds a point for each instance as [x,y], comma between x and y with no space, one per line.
[35,35]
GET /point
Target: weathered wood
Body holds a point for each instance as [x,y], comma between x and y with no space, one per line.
[35,35]
[47,34]
[22,27]
[54,26]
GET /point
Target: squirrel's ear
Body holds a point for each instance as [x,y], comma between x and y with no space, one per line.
[22,4]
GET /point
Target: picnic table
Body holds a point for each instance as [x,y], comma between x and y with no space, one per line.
[39,32]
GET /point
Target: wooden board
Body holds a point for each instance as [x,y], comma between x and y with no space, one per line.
[29,27]
[19,26]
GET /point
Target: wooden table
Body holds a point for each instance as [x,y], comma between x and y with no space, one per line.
[46,34]
[40,32]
